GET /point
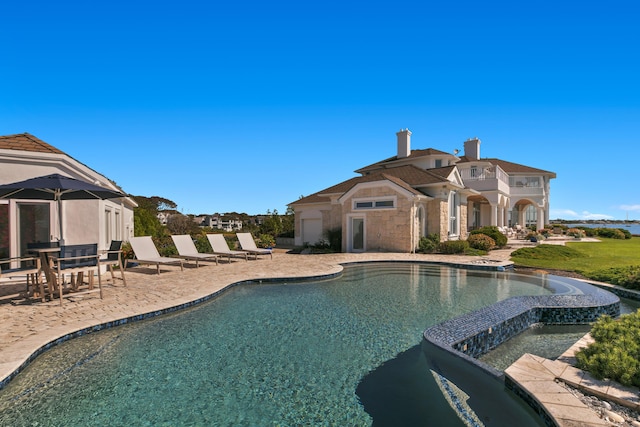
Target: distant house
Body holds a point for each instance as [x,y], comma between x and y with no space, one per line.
[24,156]
[229,224]
[395,202]
[164,215]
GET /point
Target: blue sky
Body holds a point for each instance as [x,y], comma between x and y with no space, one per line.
[246,106]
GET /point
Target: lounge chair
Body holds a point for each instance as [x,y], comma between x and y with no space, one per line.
[220,247]
[147,253]
[249,245]
[187,250]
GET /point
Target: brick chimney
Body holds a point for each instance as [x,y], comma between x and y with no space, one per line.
[404,143]
[472,148]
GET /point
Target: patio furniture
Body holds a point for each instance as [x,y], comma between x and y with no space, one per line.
[187,250]
[44,250]
[220,247]
[249,245]
[30,268]
[114,257]
[147,253]
[75,261]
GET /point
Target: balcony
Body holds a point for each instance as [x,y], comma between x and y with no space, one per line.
[533,191]
[488,179]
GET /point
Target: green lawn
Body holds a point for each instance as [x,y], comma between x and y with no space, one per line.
[581,257]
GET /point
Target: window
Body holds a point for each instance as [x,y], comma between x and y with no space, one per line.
[438,163]
[454,202]
[364,205]
[473,172]
[118,230]
[4,230]
[524,181]
[374,204]
[107,226]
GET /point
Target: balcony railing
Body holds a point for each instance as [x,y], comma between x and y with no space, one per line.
[479,174]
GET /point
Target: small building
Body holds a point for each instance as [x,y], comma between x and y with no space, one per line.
[23,156]
[395,202]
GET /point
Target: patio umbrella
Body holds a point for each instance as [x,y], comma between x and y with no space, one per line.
[56,187]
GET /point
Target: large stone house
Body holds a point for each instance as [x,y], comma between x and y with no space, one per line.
[395,202]
[23,156]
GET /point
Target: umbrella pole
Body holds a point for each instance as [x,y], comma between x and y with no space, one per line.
[60,239]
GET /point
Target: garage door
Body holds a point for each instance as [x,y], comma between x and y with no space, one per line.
[311,231]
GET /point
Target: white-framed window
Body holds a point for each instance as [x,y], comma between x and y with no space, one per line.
[118,226]
[377,203]
[107,226]
[438,163]
[454,204]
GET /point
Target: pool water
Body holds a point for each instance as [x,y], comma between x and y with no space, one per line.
[548,341]
[343,352]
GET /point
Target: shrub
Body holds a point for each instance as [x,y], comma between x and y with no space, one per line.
[615,352]
[202,243]
[453,246]
[428,244]
[334,239]
[494,233]
[578,233]
[481,241]
[534,236]
[628,276]
[165,246]
[545,232]
[612,233]
[266,241]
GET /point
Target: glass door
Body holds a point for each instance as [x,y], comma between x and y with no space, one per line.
[357,234]
[33,224]
[4,230]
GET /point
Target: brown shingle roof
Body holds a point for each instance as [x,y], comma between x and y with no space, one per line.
[413,155]
[26,142]
[509,167]
[408,177]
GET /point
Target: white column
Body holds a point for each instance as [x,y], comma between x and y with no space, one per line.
[494,215]
[540,224]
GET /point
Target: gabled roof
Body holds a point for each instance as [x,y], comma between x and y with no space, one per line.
[26,142]
[29,143]
[509,167]
[408,177]
[414,155]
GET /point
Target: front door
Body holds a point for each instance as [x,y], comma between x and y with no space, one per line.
[356,235]
[33,224]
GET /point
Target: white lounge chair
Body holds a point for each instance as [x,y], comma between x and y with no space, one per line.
[220,247]
[249,245]
[147,253]
[187,250]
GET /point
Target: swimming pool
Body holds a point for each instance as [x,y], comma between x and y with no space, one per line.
[344,351]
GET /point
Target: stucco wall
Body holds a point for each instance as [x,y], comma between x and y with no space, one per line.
[83,221]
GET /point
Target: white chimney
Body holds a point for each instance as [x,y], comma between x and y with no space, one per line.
[404,143]
[472,148]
